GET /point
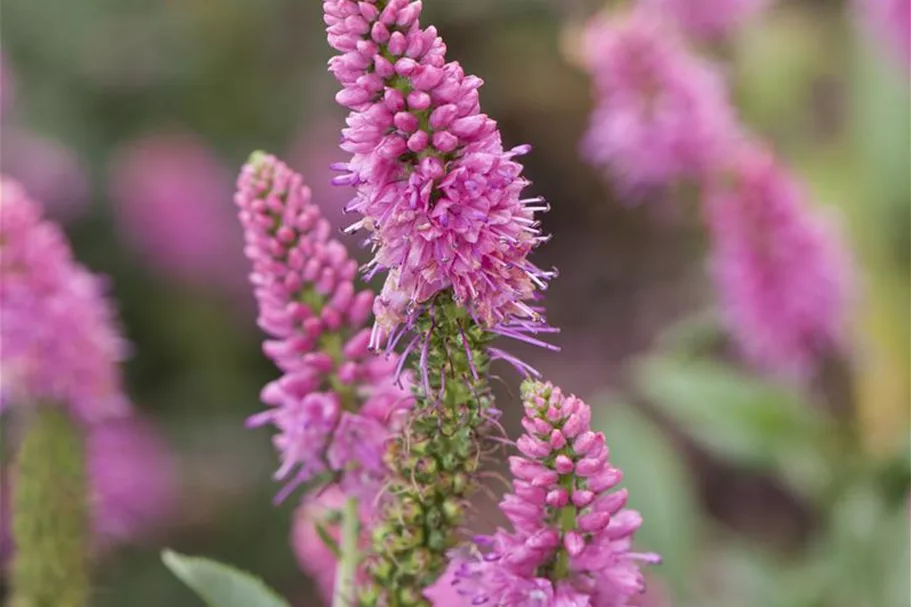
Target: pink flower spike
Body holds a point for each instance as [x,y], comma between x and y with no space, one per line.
[429,166]
[661,115]
[781,270]
[577,530]
[333,409]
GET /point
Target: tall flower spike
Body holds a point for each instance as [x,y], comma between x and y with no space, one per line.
[336,402]
[661,114]
[59,335]
[570,544]
[439,195]
[782,274]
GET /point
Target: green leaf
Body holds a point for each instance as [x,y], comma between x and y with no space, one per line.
[742,419]
[660,488]
[221,585]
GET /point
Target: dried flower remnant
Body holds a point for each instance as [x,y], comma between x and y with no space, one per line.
[782,274]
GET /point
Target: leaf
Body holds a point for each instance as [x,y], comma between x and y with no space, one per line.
[740,418]
[221,585]
[660,488]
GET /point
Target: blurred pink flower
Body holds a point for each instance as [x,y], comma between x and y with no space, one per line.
[889,20]
[60,335]
[782,273]
[661,114]
[707,19]
[174,205]
[133,484]
[49,170]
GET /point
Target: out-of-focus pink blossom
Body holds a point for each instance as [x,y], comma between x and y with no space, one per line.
[60,338]
[49,170]
[661,114]
[782,272]
[132,479]
[172,199]
[706,19]
[889,20]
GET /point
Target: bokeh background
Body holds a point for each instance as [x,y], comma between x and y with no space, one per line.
[130,118]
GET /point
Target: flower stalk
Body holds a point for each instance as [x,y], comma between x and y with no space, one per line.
[344,593]
[434,462]
[50,515]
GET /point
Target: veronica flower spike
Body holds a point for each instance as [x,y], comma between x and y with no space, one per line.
[782,273]
[571,540]
[336,402]
[438,194]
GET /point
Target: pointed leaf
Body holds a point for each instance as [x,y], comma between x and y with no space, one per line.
[221,585]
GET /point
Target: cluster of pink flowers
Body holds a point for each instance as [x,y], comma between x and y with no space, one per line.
[706,19]
[439,195]
[172,201]
[663,117]
[570,544]
[60,341]
[781,271]
[662,114]
[336,401]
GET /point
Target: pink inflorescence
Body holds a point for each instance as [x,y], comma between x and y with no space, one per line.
[172,200]
[59,335]
[661,114]
[571,538]
[782,273]
[435,189]
[707,19]
[336,402]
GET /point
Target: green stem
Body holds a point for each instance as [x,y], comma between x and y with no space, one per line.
[567,521]
[50,515]
[347,564]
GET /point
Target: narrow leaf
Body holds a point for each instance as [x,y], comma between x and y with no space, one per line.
[221,585]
